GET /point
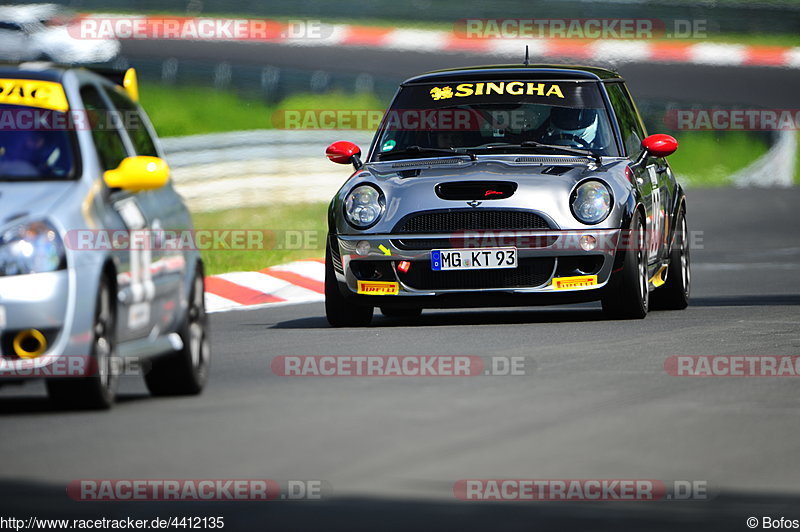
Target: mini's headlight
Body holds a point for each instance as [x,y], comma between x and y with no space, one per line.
[591,202]
[32,247]
[363,206]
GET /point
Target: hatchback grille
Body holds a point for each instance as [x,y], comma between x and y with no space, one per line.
[529,273]
[470,220]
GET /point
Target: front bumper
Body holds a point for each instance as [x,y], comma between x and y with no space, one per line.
[44,302]
[542,257]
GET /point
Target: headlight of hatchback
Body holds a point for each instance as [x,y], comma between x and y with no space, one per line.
[363,206]
[32,247]
[591,202]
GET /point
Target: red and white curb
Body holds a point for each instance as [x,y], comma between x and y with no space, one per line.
[600,50]
[296,282]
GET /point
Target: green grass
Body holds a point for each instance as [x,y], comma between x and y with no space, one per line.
[797,163]
[306,223]
[180,110]
[707,159]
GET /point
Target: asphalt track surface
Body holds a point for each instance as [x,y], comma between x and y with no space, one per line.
[596,402]
[701,84]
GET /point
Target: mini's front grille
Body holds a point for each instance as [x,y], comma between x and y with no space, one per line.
[529,273]
[471,220]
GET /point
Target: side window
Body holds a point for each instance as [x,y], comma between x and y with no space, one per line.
[631,129]
[134,123]
[107,140]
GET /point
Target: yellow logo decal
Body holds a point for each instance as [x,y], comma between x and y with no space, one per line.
[441,94]
[514,88]
[378,288]
[33,93]
[569,283]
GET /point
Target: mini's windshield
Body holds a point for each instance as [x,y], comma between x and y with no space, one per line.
[496,117]
[31,148]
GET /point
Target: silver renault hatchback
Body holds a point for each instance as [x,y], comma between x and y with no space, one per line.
[81,174]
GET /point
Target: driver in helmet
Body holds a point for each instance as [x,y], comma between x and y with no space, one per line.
[577,127]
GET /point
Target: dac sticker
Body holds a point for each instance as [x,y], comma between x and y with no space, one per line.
[514,88]
[569,283]
[33,93]
[378,288]
[388,145]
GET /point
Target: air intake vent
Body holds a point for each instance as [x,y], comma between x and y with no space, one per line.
[430,162]
[476,190]
[552,160]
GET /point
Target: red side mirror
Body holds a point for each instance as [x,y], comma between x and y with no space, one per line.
[660,145]
[342,152]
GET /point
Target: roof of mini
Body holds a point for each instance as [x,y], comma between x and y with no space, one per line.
[502,72]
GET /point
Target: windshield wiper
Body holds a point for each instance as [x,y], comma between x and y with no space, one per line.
[420,150]
[542,145]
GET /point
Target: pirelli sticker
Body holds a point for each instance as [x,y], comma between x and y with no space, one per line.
[514,88]
[33,93]
[570,283]
[378,288]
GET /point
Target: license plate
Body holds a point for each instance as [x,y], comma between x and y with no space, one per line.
[473,259]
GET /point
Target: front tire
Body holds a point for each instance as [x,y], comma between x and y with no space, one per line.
[627,294]
[98,391]
[338,310]
[185,372]
[674,295]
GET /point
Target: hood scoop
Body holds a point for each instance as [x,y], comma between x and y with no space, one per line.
[475,190]
[557,170]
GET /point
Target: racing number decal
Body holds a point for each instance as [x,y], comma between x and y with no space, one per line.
[656,219]
[142,287]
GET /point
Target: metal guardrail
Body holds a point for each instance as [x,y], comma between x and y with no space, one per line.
[776,168]
[256,168]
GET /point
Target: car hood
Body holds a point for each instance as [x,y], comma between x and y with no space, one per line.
[31,198]
[543,184]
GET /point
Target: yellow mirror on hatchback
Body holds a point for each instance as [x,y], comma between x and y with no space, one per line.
[138,173]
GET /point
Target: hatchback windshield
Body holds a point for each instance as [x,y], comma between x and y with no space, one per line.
[37,151]
[496,116]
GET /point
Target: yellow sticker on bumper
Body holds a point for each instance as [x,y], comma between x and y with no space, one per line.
[33,93]
[378,288]
[570,283]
